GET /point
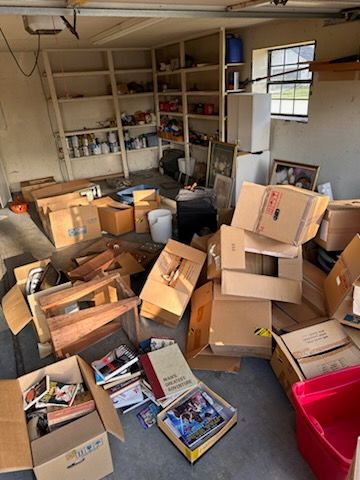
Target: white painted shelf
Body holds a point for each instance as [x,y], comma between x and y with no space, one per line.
[141,149]
[133,70]
[169,93]
[135,95]
[203,117]
[85,99]
[83,73]
[100,155]
[70,133]
[171,114]
[146,125]
[204,68]
[234,64]
[169,72]
[203,93]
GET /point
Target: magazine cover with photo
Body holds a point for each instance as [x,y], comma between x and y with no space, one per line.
[195,418]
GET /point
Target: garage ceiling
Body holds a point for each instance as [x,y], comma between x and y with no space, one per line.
[133,20]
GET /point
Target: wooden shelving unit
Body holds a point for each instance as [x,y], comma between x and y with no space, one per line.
[105,68]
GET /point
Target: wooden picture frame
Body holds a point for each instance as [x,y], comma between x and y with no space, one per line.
[221,160]
[299,175]
[223,188]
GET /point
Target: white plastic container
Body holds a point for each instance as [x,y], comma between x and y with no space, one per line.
[160,221]
[186,167]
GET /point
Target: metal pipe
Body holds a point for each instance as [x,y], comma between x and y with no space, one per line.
[168,13]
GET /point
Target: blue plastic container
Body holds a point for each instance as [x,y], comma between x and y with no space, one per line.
[126,195]
[234,50]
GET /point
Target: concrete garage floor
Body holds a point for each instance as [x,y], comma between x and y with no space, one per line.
[261,446]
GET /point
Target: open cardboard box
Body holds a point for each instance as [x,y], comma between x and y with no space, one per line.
[67,225]
[339,225]
[144,202]
[29,186]
[171,282]
[196,453]
[224,325]
[16,309]
[282,212]
[241,273]
[77,450]
[60,189]
[339,284]
[115,217]
[309,351]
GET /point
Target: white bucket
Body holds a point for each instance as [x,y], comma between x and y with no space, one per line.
[160,221]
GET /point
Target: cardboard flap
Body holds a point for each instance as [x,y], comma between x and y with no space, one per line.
[232,248]
[129,263]
[200,319]
[184,251]
[316,339]
[255,243]
[167,297]
[291,268]
[278,339]
[103,402]
[248,206]
[150,195]
[349,204]
[345,272]
[16,311]
[15,453]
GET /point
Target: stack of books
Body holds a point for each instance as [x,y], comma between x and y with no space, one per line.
[50,404]
[119,372]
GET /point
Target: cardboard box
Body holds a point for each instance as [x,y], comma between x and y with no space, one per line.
[339,284]
[171,282]
[116,218]
[196,453]
[227,325]
[61,188]
[77,450]
[67,226]
[30,185]
[339,225]
[282,212]
[144,202]
[242,274]
[311,351]
[16,309]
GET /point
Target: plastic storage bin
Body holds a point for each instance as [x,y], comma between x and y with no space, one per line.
[234,49]
[328,421]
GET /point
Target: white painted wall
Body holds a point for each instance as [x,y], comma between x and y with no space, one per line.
[331,138]
[27,148]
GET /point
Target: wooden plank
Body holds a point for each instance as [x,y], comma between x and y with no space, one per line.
[91,338]
[71,327]
[334,67]
[88,270]
[72,294]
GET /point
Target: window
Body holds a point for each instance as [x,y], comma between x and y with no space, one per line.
[290,89]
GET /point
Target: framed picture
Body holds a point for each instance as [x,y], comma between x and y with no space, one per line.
[297,174]
[223,187]
[221,160]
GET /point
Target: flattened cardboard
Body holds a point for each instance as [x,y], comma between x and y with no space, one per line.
[115,218]
[339,283]
[236,280]
[15,452]
[282,212]
[167,302]
[29,186]
[340,224]
[313,287]
[226,326]
[61,188]
[41,203]
[144,202]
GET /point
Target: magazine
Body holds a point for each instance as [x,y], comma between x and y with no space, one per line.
[129,397]
[36,392]
[147,416]
[195,418]
[115,362]
[59,395]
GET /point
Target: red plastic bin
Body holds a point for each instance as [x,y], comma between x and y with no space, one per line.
[328,421]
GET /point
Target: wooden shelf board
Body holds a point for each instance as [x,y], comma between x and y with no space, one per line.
[141,149]
[85,99]
[69,133]
[203,117]
[136,95]
[168,94]
[125,127]
[133,70]
[171,114]
[202,93]
[334,67]
[239,90]
[169,72]
[83,73]
[96,156]
[204,68]
[240,64]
